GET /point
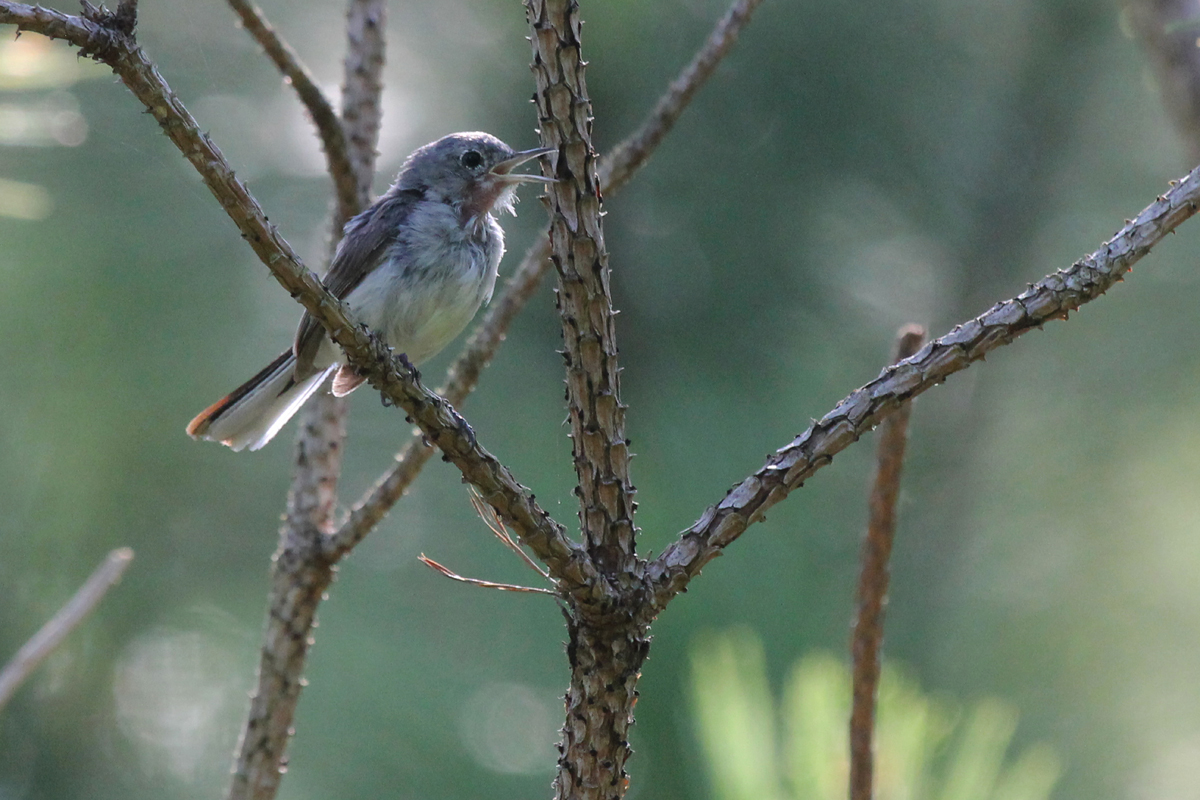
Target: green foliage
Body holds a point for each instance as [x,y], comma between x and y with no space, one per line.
[926,746]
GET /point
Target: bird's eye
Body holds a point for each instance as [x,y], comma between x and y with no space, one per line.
[471,159]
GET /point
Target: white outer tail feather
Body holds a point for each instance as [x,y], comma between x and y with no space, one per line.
[255,418]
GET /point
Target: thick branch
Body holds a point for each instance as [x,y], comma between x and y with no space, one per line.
[397,380]
[52,634]
[615,171]
[1049,299]
[595,412]
[867,639]
[329,126]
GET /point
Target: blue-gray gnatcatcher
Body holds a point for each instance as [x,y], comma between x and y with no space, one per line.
[415,267]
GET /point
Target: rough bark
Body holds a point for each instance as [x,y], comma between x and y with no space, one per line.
[595,412]
[1051,298]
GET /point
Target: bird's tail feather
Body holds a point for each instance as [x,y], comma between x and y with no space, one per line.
[253,413]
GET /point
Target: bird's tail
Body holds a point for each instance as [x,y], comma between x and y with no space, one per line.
[253,413]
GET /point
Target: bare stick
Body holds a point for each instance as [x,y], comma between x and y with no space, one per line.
[615,171]
[52,634]
[298,583]
[1051,298]
[867,639]
[496,526]
[504,587]
[329,126]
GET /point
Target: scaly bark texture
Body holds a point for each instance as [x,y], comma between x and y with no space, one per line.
[609,637]
[606,656]
[1051,298]
[597,417]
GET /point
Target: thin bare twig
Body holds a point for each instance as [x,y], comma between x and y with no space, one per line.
[867,638]
[1051,298]
[615,171]
[504,587]
[52,634]
[329,126]
[496,526]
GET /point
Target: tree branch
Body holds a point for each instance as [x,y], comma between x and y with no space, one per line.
[329,126]
[867,638]
[615,171]
[1049,299]
[393,376]
[461,379]
[362,90]
[594,408]
[52,634]
[300,572]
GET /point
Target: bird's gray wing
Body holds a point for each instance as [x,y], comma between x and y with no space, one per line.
[365,240]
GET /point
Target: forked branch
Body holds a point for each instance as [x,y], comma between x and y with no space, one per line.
[615,171]
[394,377]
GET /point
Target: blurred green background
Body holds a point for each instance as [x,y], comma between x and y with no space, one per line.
[850,168]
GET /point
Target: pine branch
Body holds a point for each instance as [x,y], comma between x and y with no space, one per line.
[594,409]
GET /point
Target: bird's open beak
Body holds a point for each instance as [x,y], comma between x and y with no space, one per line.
[504,170]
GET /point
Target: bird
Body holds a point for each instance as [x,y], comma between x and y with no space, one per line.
[415,267]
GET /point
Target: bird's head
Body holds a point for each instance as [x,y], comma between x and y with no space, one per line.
[472,171]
